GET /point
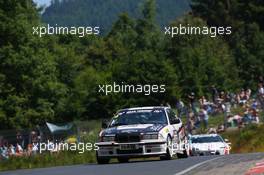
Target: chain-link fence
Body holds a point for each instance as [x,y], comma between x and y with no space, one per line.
[26,141]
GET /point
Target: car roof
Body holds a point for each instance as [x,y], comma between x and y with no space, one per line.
[204,135]
[144,108]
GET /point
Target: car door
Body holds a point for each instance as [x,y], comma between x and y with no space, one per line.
[175,125]
[173,119]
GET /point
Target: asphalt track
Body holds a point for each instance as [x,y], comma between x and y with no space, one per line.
[190,165]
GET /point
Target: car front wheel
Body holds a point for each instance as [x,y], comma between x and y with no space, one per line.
[168,155]
[186,152]
[102,160]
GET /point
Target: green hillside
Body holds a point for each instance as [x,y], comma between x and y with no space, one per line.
[103,13]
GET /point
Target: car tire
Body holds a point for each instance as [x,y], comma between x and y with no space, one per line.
[123,159]
[185,153]
[168,155]
[102,160]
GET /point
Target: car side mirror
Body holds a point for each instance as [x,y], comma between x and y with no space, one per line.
[176,121]
[105,124]
[226,140]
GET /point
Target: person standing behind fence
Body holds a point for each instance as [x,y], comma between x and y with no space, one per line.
[204,116]
[20,139]
[214,94]
[226,108]
[11,151]
[261,95]
[180,108]
[190,122]
[19,150]
[4,151]
[191,98]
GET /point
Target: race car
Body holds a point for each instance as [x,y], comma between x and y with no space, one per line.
[208,144]
[142,132]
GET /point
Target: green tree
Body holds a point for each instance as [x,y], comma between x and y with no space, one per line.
[30,90]
[201,61]
[246,41]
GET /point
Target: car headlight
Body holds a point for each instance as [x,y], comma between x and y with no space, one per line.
[107,138]
[150,136]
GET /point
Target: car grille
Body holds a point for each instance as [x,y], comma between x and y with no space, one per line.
[126,138]
[134,151]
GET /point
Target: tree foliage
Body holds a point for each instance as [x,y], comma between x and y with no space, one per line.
[56,78]
[246,19]
[103,13]
[202,61]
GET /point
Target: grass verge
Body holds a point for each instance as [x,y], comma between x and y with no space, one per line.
[48,160]
[246,140]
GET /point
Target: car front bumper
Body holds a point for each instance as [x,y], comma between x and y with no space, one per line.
[135,149]
[207,152]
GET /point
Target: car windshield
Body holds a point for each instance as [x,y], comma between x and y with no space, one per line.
[207,139]
[131,117]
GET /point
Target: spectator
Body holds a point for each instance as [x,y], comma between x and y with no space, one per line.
[19,150]
[20,139]
[204,116]
[214,94]
[220,128]
[180,107]
[11,151]
[222,96]
[255,116]
[212,131]
[191,122]
[254,104]
[4,151]
[248,93]
[220,100]
[1,152]
[34,137]
[261,95]
[226,109]
[191,98]
[260,90]
[203,101]
[247,118]
[232,97]
[230,121]
[237,98]
[243,97]
[238,119]
[197,121]
[29,149]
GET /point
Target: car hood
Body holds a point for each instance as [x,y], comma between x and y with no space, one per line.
[138,128]
[208,146]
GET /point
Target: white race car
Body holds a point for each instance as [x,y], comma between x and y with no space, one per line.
[208,144]
[142,132]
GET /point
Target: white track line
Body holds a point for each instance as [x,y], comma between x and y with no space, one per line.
[196,165]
